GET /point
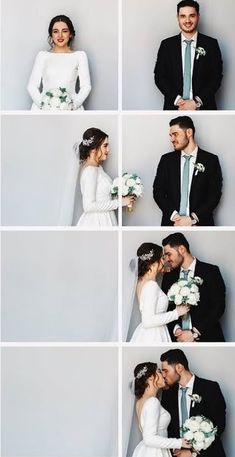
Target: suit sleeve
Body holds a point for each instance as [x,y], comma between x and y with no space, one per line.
[89,188]
[214,192]
[216,306]
[150,296]
[151,418]
[217,407]
[215,77]
[160,189]
[161,74]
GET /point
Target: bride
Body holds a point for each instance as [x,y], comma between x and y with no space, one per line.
[153,419]
[98,206]
[60,67]
[153,303]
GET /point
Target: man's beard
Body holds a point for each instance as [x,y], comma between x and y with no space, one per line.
[168,386]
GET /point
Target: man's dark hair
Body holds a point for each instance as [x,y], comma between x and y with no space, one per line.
[174,356]
[176,240]
[188,3]
[184,122]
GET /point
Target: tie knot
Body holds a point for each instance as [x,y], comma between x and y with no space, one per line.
[187,157]
[188,42]
[185,274]
[183,389]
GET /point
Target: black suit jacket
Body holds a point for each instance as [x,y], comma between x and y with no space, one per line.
[207,71]
[211,406]
[205,192]
[205,316]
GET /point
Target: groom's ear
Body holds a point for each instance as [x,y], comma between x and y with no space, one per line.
[179,368]
[181,249]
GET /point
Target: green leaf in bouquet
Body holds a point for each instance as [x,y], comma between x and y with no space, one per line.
[49,94]
[114,190]
[62,89]
[63,98]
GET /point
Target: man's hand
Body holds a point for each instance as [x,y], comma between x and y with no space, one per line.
[183,220]
[187,105]
[178,332]
[185,337]
[182,452]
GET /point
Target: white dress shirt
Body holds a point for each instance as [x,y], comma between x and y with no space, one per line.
[188,399]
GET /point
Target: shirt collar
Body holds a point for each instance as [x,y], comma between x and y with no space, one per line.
[193,38]
[190,383]
[193,153]
[191,267]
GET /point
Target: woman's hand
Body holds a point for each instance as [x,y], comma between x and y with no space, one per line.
[128,200]
[182,309]
[186,444]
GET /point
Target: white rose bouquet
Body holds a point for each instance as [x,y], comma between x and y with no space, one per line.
[199,432]
[131,184]
[185,292]
[57,99]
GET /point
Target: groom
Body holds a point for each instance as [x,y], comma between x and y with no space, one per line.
[188,70]
[202,323]
[188,184]
[178,402]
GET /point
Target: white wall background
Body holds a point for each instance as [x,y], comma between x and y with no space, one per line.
[146,24]
[59,402]
[209,363]
[55,287]
[35,154]
[146,139]
[208,246]
[24,34]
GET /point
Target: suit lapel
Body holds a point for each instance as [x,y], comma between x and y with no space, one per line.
[195,177]
[175,410]
[195,410]
[197,62]
[178,60]
[177,173]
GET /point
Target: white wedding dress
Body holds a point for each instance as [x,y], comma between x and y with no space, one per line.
[52,70]
[153,305]
[98,206]
[154,421]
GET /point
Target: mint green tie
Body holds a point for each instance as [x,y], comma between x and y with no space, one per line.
[183,404]
[187,70]
[185,318]
[185,185]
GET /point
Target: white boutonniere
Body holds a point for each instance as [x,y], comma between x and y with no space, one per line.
[199,168]
[195,399]
[200,52]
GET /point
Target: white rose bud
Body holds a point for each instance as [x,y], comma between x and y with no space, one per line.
[130,182]
[185,292]
[178,300]
[188,435]
[192,299]
[125,190]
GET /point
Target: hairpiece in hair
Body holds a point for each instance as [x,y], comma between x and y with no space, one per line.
[142,372]
[89,141]
[147,256]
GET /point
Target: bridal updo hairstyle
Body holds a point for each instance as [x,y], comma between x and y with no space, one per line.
[67,21]
[155,252]
[92,139]
[142,372]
